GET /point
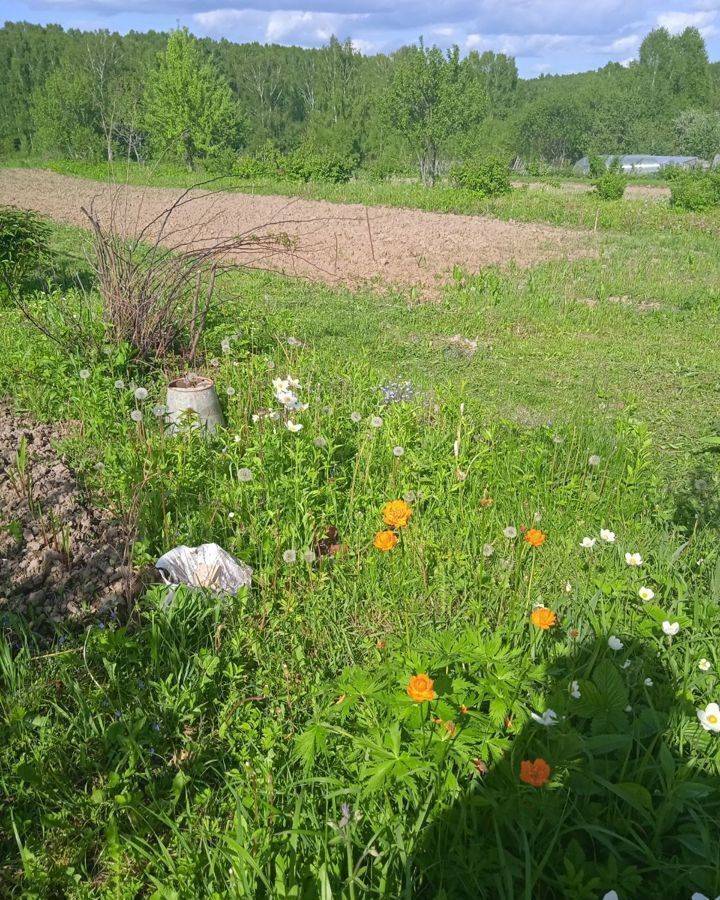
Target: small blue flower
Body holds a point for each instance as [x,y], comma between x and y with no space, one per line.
[117,714]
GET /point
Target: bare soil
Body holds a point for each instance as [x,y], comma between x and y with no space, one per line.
[632,191]
[335,243]
[61,559]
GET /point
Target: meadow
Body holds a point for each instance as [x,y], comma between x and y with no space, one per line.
[501,685]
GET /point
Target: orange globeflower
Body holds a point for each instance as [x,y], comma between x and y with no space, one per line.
[397,513]
[385,540]
[543,618]
[535,773]
[534,537]
[420,688]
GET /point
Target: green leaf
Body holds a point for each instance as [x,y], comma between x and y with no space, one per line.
[613,692]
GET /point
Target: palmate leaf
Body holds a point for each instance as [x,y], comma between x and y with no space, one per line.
[603,699]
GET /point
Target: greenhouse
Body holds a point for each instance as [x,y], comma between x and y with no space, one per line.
[641,164]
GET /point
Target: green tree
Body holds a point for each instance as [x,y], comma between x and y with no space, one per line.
[698,133]
[65,115]
[189,108]
[555,128]
[431,97]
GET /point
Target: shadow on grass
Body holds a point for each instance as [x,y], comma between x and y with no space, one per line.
[627,807]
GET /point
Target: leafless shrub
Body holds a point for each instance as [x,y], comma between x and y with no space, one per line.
[157,285]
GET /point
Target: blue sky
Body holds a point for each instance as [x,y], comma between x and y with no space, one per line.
[548,36]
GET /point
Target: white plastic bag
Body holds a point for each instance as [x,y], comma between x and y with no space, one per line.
[207,566]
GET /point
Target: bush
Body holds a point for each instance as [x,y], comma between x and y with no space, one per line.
[23,245]
[488,177]
[696,191]
[597,165]
[611,185]
[309,164]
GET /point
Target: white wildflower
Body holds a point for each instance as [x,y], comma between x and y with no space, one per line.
[710,717]
[670,628]
[614,643]
[548,718]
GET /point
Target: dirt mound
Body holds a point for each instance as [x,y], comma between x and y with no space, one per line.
[336,243]
[60,559]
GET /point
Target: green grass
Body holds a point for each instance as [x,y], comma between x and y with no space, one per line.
[206,747]
[522,204]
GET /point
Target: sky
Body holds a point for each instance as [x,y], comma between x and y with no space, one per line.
[545,36]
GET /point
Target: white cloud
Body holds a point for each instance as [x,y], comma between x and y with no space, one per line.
[675,22]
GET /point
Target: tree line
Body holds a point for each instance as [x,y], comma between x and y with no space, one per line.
[100,95]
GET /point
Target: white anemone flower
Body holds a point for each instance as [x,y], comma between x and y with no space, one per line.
[646,594]
[710,717]
[607,536]
[611,895]
[648,682]
[293,426]
[614,643]
[633,559]
[575,690]
[547,719]
[670,628]
[704,665]
[568,587]
[587,543]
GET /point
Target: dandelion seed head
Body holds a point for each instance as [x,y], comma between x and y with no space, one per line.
[355,417]
[320,442]
[141,393]
[594,460]
[376,422]
[289,556]
[84,374]
[398,451]
[120,384]
[244,474]
[309,556]
[136,415]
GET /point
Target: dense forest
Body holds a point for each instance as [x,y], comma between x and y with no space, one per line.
[100,95]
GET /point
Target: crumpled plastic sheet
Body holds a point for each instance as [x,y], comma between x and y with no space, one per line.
[208,567]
